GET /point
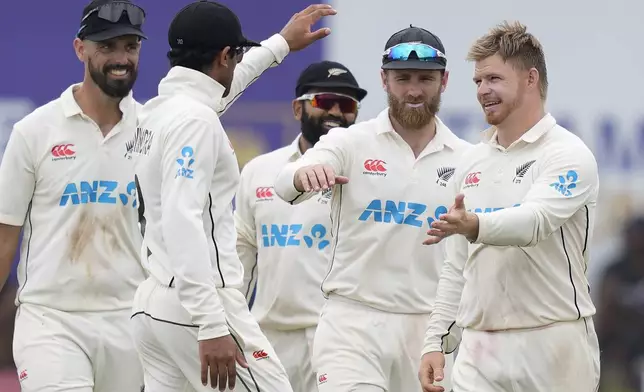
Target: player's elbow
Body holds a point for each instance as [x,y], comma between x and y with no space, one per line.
[542,228]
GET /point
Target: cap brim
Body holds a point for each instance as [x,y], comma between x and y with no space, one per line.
[412,64]
[116,31]
[360,93]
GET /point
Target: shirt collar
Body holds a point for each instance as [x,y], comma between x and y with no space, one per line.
[535,133]
[181,80]
[296,153]
[444,136]
[71,107]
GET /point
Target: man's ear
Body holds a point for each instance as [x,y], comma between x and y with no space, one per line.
[297,109]
[222,57]
[79,49]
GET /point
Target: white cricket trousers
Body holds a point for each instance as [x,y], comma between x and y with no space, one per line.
[167,343]
[58,351]
[361,349]
[562,357]
[294,349]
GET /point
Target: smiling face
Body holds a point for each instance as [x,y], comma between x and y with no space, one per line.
[112,64]
[501,88]
[328,108]
[414,96]
[510,73]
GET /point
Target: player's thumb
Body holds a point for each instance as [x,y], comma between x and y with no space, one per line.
[341,180]
[438,372]
[241,360]
[459,202]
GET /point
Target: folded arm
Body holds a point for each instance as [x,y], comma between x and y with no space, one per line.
[567,183]
[332,149]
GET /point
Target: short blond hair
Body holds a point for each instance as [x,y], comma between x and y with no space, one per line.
[513,43]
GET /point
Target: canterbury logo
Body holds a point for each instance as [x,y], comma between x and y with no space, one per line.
[260,355]
[264,192]
[63,150]
[472,178]
[375,165]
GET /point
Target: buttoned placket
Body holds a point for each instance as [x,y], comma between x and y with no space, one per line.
[413,162]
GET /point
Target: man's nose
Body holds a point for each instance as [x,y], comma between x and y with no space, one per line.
[335,110]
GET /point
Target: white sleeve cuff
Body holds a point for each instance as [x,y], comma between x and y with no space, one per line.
[278,46]
[207,332]
[12,220]
[432,348]
[483,228]
[284,186]
[507,227]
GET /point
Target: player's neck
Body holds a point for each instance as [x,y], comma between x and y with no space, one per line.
[303,144]
[417,139]
[98,106]
[518,123]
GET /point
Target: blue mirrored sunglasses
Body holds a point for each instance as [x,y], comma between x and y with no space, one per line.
[423,52]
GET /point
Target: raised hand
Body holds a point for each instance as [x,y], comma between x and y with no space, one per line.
[298,33]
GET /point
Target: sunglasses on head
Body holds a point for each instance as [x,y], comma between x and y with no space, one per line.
[113,12]
[423,52]
[326,101]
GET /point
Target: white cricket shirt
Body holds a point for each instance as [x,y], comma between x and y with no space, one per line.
[284,248]
[536,206]
[380,218]
[73,191]
[188,174]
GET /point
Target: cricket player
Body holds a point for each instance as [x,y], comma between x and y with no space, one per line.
[285,249]
[524,217]
[389,177]
[190,320]
[68,185]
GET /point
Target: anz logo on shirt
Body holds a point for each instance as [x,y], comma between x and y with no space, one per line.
[487,210]
[294,235]
[566,183]
[408,213]
[100,192]
[401,213]
[185,163]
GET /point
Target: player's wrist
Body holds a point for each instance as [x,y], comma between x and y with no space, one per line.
[471,226]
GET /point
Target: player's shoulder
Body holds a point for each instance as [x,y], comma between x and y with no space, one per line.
[460,146]
[41,120]
[563,144]
[473,150]
[170,111]
[269,161]
[364,128]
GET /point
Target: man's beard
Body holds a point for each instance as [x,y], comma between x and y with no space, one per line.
[313,127]
[413,118]
[115,88]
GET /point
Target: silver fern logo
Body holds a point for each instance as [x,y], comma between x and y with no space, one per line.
[521,171]
[336,72]
[325,196]
[444,174]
